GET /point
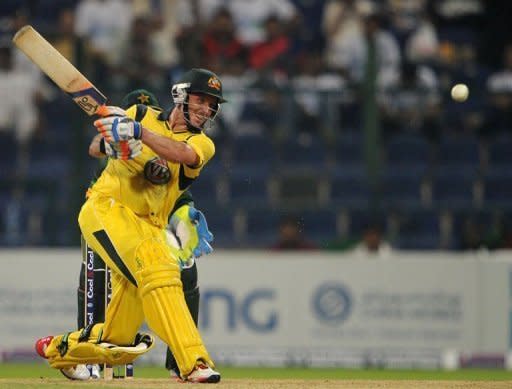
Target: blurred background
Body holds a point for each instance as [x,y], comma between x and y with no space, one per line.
[339,116]
[340,134]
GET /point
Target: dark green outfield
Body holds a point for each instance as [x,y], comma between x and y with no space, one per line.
[33,370]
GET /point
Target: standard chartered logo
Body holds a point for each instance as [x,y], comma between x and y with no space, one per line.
[332,302]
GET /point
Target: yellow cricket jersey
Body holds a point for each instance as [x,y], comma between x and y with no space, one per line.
[148,184]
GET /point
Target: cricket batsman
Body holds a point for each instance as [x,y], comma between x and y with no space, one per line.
[124,220]
[188,232]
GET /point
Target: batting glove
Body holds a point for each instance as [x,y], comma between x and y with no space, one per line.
[124,149]
[110,110]
[190,227]
[115,128]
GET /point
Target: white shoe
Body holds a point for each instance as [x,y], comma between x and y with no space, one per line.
[78,373]
[95,372]
[203,374]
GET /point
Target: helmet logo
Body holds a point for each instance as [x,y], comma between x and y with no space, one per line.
[214,83]
[143,99]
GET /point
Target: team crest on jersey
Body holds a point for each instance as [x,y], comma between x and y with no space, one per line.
[157,172]
[214,83]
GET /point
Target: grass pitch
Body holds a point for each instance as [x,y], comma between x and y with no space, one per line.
[40,375]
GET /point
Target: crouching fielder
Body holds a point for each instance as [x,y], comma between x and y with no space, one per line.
[124,221]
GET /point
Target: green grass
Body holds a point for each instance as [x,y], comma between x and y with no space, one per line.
[37,370]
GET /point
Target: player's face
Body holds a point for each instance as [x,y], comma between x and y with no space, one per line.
[200,108]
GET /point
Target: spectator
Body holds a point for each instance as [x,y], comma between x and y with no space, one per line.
[169,19]
[405,18]
[372,244]
[422,44]
[341,22]
[271,53]
[312,82]
[499,87]
[250,15]
[348,43]
[458,64]
[138,50]
[399,105]
[103,24]
[306,27]
[220,43]
[291,236]
[19,94]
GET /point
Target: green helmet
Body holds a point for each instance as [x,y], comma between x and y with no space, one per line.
[139,96]
[197,81]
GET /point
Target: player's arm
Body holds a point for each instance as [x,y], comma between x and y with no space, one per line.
[192,153]
[170,149]
[95,149]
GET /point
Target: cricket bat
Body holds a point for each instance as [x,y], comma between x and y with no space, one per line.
[60,70]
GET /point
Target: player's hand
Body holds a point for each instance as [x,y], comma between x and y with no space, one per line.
[110,110]
[190,227]
[115,129]
[124,149]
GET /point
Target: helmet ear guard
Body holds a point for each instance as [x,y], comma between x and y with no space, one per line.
[179,92]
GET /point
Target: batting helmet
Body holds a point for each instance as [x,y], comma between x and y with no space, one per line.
[197,81]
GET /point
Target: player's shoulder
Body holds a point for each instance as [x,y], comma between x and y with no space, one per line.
[139,112]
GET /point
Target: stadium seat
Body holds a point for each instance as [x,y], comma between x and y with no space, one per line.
[460,154]
[408,153]
[295,189]
[221,221]
[319,225]
[303,154]
[262,226]
[206,190]
[401,190]
[497,188]
[248,190]
[349,151]
[350,191]
[418,230]
[500,155]
[252,155]
[453,190]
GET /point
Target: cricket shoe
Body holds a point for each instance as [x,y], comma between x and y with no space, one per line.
[203,374]
[42,345]
[77,373]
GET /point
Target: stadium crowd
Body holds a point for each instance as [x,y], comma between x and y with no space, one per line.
[339,116]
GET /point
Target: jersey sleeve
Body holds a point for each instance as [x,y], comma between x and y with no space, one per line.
[204,148]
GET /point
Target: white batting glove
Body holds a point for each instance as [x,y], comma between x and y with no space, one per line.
[115,128]
[124,149]
[111,110]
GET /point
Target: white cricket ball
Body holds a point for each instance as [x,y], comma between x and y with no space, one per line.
[460,92]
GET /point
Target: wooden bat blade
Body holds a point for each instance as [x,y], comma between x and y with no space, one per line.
[59,69]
